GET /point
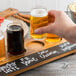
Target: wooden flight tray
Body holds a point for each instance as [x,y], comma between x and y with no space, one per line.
[37,53]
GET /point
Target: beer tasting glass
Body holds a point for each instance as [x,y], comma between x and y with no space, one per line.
[2,46]
[52,37]
[15,39]
[2,42]
[39,18]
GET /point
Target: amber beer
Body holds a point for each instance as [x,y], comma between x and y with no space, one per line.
[52,37]
[39,18]
[2,48]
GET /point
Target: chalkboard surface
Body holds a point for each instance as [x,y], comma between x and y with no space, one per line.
[35,58]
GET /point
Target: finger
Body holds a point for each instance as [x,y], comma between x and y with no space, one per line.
[46,29]
[52,12]
[52,16]
[56,13]
[51,19]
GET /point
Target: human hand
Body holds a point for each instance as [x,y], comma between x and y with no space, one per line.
[59,27]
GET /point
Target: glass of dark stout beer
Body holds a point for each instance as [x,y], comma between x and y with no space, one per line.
[15,39]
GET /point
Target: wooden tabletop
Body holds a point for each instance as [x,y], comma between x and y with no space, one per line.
[62,67]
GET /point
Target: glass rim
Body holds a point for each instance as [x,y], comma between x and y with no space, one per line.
[13,24]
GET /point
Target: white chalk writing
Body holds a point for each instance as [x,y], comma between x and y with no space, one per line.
[9,67]
[64,45]
[46,53]
[27,61]
[69,47]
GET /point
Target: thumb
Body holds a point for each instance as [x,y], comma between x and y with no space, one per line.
[45,29]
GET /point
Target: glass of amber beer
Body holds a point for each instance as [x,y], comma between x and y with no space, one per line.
[39,18]
[2,47]
[52,37]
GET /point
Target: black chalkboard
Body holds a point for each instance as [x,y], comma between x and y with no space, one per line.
[35,58]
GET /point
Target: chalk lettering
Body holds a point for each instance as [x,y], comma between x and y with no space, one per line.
[64,45]
[45,55]
[69,47]
[9,67]
[27,61]
[43,52]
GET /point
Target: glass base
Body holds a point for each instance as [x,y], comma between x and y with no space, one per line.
[38,36]
[18,52]
[2,59]
[53,39]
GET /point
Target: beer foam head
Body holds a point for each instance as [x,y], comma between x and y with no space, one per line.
[39,12]
[14,28]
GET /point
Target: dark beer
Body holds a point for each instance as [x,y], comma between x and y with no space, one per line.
[15,40]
